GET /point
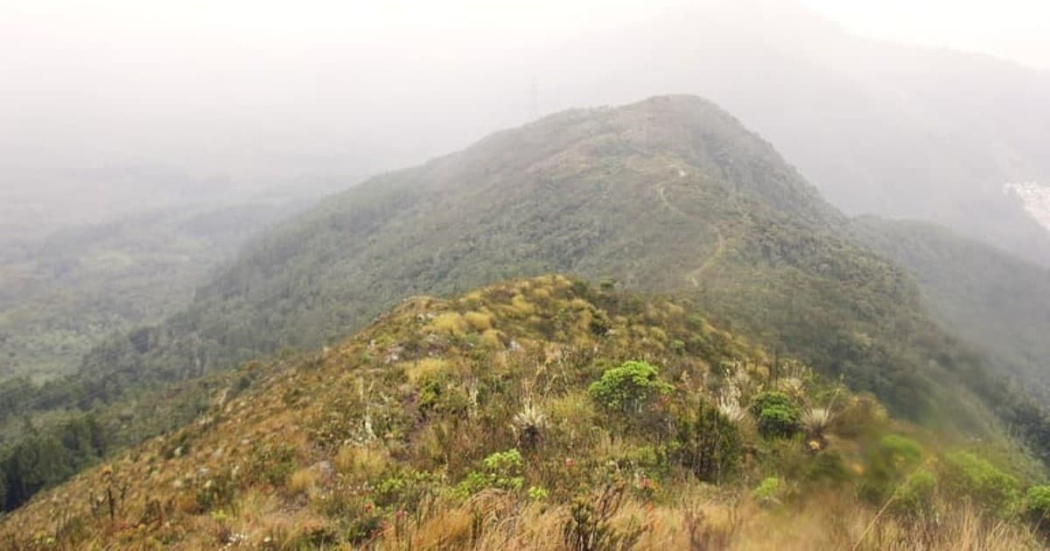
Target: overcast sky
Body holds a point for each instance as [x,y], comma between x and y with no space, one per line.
[235,86]
[1016,29]
[1013,29]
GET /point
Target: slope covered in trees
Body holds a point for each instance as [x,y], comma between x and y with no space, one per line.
[549,414]
[986,296]
[63,294]
[669,195]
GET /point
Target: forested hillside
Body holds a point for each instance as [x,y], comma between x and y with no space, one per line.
[670,195]
[983,294]
[62,295]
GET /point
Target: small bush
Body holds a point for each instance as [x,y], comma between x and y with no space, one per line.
[776,414]
[900,450]
[707,443]
[501,470]
[768,491]
[915,498]
[1037,506]
[966,474]
[778,422]
[827,466]
[538,493]
[861,414]
[629,387]
[893,459]
[768,399]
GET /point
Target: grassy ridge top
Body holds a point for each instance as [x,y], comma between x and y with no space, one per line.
[503,417]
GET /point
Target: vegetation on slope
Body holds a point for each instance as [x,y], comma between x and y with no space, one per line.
[988,297]
[668,195]
[62,296]
[539,413]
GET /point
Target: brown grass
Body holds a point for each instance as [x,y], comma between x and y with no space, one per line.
[497,521]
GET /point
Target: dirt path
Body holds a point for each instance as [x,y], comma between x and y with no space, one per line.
[695,275]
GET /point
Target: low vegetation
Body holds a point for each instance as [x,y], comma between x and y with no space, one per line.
[572,417]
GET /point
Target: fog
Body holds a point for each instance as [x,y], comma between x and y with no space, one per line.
[111,106]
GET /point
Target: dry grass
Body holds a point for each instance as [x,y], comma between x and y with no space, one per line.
[450,322]
[257,473]
[304,481]
[361,462]
[497,521]
[426,368]
[479,321]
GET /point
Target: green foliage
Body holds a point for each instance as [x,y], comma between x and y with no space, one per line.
[740,233]
[1037,506]
[537,493]
[776,414]
[405,488]
[769,399]
[629,387]
[972,289]
[915,497]
[890,462]
[48,458]
[901,451]
[89,282]
[501,470]
[827,467]
[706,443]
[966,474]
[769,491]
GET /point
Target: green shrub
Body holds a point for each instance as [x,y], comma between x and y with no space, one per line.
[768,399]
[769,491]
[889,463]
[1037,507]
[537,493]
[1037,499]
[707,443]
[406,488]
[778,422]
[629,387]
[915,496]
[500,470]
[966,474]
[776,414]
[827,466]
[901,451]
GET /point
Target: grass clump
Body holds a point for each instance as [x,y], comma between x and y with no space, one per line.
[451,323]
[478,321]
[426,369]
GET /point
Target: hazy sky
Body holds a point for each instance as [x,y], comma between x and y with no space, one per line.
[1016,29]
[236,88]
[1013,29]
